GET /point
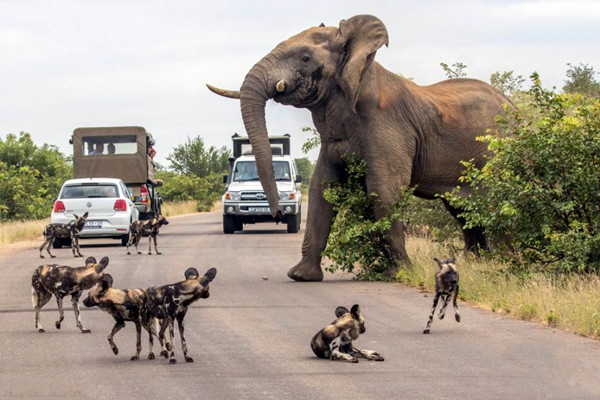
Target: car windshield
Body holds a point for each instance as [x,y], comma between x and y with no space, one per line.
[246,171]
[89,191]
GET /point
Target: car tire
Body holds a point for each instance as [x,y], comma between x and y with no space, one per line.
[293,223]
[229,222]
[57,244]
[124,240]
[239,225]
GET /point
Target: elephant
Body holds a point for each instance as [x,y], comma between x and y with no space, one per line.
[408,135]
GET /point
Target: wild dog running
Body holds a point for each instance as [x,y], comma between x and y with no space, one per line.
[126,305]
[446,286]
[61,281]
[334,341]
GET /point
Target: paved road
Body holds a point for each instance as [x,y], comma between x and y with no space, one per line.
[250,339]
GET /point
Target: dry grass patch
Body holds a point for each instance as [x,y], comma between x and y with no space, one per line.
[570,303]
[172,208]
[16,231]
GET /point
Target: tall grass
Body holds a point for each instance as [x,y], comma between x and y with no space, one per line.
[568,302]
[11,232]
[173,208]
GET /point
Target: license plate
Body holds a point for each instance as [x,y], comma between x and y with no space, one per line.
[258,209]
[93,224]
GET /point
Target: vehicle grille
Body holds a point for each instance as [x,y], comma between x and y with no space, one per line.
[253,196]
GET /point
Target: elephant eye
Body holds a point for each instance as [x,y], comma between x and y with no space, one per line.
[305,58]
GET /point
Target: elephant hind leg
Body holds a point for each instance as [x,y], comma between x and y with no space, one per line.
[475,238]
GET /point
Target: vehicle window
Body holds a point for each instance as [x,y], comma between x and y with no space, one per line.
[109,145]
[245,171]
[88,191]
[282,170]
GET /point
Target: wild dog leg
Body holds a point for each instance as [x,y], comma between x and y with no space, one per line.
[337,354]
[456,314]
[75,303]
[40,298]
[50,242]
[166,322]
[46,242]
[155,246]
[75,246]
[119,324]
[368,354]
[446,299]
[430,321]
[150,244]
[138,341]
[180,317]
[61,314]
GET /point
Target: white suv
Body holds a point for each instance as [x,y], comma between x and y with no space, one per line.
[107,202]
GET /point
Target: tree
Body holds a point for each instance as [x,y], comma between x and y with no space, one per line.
[305,168]
[31,177]
[193,158]
[507,82]
[313,142]
[456,71]
[581,79]
[541,191]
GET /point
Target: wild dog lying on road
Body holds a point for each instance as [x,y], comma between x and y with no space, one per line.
[64,231]
[446,286]
[63,281]
[125,305]
[150,228]
[171,302]
[335,340]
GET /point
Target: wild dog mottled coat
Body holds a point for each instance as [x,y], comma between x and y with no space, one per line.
[126,305]
[64,231]
[61,281]
[171,302]
[335,340]
[446,286]
[150,228]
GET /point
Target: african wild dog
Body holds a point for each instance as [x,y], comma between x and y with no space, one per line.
[335,340]
[64,231]
[446,286]
[150,228]
[126,305]
[171,302]
[63,281]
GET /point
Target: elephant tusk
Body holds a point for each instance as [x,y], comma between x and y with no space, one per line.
[280,87]
[232,94]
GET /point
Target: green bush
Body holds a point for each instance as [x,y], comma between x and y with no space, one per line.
[358,243]
[540,191]
[184,187]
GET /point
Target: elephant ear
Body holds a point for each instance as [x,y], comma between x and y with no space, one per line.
[359,38]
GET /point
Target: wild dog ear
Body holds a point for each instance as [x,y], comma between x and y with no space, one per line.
[75,215]
[359,38]
[85,215]
[439,263]
[209,275]
[90,261]
[355,311]
[102,264]
[451,260]
[339,311]
[104,286]
[191,273]
[108,279]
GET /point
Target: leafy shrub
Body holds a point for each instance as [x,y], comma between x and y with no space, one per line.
[540,191]
[184,187]
[356,238]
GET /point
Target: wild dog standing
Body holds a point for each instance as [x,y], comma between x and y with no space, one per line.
[446,286]
[126,305]
[61,281]
[150,228]
[64,231]
[335,340]
[171,302]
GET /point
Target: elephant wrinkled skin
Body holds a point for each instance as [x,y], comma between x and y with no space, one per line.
[409,135]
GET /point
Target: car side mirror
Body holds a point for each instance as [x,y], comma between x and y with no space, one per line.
[298,179]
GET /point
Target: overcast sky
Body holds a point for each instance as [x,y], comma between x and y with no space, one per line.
[68,64]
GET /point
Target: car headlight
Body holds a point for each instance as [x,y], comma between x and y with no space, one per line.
[287,195]
[235,196]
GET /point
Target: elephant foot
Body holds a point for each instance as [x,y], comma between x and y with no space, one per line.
[306,272]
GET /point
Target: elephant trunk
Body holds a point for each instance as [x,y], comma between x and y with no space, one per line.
[255,91]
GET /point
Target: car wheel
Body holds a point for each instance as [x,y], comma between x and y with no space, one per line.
[229,222]
[57,244]
[239,225]
[293,223]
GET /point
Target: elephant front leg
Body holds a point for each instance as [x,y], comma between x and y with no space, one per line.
[318,226]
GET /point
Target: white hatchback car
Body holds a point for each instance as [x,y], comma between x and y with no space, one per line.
[107,202]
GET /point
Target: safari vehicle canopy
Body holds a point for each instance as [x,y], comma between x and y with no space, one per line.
[114,152]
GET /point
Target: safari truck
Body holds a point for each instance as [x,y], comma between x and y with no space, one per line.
[119,152]
[245,202]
